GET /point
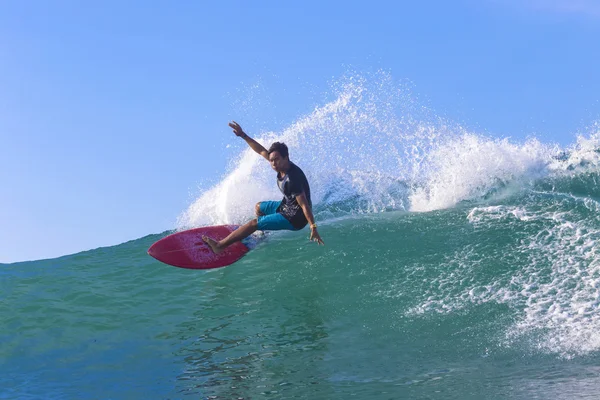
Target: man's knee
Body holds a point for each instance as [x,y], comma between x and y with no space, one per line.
[257,210]
[254,223]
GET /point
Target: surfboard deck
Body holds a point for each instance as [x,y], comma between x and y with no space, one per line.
[186,249]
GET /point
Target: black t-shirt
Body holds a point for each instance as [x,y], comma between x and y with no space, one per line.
[292,185]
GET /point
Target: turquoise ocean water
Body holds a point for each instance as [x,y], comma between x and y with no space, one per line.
[456,266]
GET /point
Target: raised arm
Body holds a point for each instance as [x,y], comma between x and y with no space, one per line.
[254,145]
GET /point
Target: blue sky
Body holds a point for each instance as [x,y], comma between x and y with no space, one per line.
[113,113]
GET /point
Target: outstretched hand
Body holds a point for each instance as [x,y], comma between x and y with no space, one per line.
[237,129]
[315,237]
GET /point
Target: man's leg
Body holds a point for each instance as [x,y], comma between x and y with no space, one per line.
[240,233]
[266,208]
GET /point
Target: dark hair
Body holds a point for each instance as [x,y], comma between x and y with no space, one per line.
[279,147]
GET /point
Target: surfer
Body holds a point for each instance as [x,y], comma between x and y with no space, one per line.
[292,213]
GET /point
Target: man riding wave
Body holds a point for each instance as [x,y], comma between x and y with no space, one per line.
[293,212]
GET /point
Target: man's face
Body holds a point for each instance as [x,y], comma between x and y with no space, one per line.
[277,162]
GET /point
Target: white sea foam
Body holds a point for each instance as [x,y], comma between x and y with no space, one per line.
[479,214]
[375,147]
[364,144]
[563,307]
[470,166]
[555,292]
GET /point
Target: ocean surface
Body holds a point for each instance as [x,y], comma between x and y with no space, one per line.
[456,266]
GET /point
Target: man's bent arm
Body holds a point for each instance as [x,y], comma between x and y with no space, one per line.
[307,210]
[303,203]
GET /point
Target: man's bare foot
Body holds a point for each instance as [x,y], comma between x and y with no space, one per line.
[214,245]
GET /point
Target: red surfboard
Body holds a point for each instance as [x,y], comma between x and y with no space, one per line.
[186,249]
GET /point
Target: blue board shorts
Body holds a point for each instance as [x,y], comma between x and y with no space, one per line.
[272,220]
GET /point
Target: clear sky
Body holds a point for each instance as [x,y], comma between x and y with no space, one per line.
[113,113]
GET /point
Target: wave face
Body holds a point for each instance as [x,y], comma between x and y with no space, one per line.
[456,266]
